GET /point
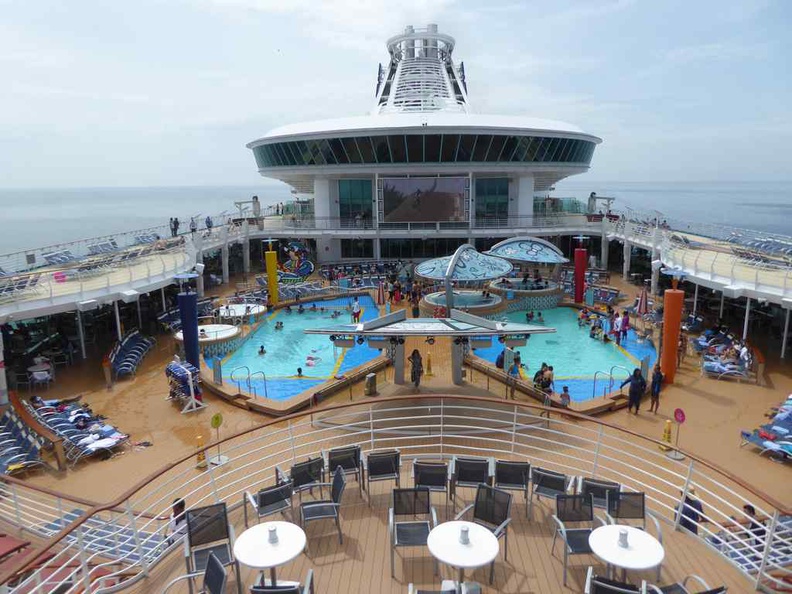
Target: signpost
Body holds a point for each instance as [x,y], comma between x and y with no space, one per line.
[679,417]
[219,459]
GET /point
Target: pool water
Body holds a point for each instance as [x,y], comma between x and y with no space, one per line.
[464,299]
[574,356]
[290,348]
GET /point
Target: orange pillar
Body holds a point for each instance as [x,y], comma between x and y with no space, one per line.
[673,301]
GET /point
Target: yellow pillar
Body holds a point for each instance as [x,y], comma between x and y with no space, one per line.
[271,260]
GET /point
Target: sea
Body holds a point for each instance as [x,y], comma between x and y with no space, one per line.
[32,218]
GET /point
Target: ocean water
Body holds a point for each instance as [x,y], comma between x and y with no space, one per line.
[38,217]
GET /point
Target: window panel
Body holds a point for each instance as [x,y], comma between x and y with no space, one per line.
[432,148]
[381,149]
[495,149]
[482,145]
[351,148]
[367,151]
[557,150]
[398,148]
[465,150]
[278,154]
[449,152]
[415,148]
[327,152]
[509,147]
[338,150]
[523,144]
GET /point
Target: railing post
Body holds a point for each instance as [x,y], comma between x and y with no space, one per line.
[60,513]
[514,429]
[596,452]
[136,535]
[86,574]
[442,427]
[16,505]
[767,547]
[685,488]
[291,440]
[371,425]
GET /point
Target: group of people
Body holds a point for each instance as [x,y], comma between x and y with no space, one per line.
[637,389]
[607,327]
[532,317]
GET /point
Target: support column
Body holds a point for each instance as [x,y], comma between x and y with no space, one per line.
[81,334]
[655,272]
[271,261]
[695,299]
[246,249]
[377,252]
[581,254]
[3,381]
[140,316]
[118,321]
[673,302]
[188,312]
[398,364]
[224,258]
[164,303]
[720,311]
[525,200]
[199,285]
[604,250]
[626,266]
[747,317]
[456,363]
[199,281]
[786,335]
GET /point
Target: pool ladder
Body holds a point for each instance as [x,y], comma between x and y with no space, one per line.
[611,380]
[248,380]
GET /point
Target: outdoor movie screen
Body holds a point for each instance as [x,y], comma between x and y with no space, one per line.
[423,199]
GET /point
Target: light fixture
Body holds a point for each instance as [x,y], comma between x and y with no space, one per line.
[332,338]
[430,340]
[360,340]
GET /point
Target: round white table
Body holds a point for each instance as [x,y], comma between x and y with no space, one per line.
[39,367]
[444,545]
[253,548]
[643,551]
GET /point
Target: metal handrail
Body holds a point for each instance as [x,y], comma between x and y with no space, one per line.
[264,379]
[239,385]
[566,443]
[594,389]
[610,375]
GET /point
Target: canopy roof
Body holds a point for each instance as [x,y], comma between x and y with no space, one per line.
[459,324]
[528,249]
[466,264]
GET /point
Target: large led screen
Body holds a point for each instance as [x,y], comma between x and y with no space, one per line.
[423,199]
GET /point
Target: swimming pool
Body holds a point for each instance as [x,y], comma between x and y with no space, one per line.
[471,299]
[290,348]
[574,356]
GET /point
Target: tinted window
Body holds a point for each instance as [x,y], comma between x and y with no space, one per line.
[351,148]
[465,150]
[381,149]
[432,148]
[495,149]
[338,150]
[449,148]
[397,148]
[415,148]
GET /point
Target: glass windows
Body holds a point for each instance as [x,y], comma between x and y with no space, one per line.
[492,198]
[357,248]
[355,198]
[408,249]
[449,148]
[424,148]
[415,149]
[431,148]
[398,148]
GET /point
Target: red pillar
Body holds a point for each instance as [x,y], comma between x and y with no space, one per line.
[581,257]
[673,302]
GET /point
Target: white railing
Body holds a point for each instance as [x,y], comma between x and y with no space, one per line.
[128,537]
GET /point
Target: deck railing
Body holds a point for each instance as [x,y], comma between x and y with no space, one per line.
[127,537]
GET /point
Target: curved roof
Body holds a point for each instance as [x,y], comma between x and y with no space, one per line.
[528,249]
[466,264]
[432,120]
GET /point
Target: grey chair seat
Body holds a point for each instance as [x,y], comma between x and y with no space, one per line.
[578,541]
[412,534]
[319,509]
[201,556]
[673,589]
[274,508]
[547,491]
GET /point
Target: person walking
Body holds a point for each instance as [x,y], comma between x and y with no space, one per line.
[208,223]
[416,368]
[193,225]
[356,311]
[657,384]
[172,228]
[176,226]
[637,389]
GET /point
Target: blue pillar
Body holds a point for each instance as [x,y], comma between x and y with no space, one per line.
[188,311]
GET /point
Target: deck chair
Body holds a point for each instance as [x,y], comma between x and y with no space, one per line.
[547,483]
[573,509]
[622,507]
[306,475]
[682,587]
[268,501]
[598,489]
[513,476]
[384,465]
[209,533]
[599,585]
[214,577]
[492,509]
[413,532]
[327,509]
[469,472]
[433,476]
[285,587]
[448,587]
[349,459]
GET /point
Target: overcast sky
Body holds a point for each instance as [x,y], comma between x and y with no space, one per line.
[146,93]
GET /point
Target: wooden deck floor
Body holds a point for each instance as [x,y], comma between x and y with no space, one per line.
[361,563]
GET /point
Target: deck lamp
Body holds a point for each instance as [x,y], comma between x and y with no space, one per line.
[360,340]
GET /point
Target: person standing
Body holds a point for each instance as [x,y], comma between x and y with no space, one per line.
[657,384]
[616,326]
[209,224]
[256,207]
[637,389]
[416,368]
[193,225]
[176,226]
[356,311]
[170,224]
[691,511]
[625,326]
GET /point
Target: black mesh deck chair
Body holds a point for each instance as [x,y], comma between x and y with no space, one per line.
[208,532]
[414,532]
[492,509]
[573,509]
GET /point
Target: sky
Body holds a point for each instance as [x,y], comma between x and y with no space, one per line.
[161,93]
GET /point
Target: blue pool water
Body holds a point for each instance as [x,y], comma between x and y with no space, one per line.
[290,348]
[574,356]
